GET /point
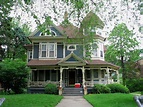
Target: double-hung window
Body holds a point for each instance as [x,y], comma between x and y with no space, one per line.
[43,49]
[48,50]
[94,50]
[51,50]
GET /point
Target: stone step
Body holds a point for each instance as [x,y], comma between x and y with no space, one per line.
[72,92]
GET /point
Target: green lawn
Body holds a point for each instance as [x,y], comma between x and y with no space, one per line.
[111,100]
[31,100]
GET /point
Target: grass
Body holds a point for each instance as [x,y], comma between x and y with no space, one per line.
[111,100]
[31,100]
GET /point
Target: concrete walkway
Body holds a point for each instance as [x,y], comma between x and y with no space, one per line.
[73,101]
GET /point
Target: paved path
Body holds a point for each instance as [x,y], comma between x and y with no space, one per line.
[73,101]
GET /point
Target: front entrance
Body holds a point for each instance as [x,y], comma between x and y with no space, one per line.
[71,77]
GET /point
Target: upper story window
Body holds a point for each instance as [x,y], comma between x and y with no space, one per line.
[71,47]
[94,50]
[48,50]
[48,32]
[29,54]
[101,49]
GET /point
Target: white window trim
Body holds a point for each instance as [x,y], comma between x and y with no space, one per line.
[47,51]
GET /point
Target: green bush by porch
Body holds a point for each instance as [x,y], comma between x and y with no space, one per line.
[100,88]
[31,100]
[118,88]
[111,100]
[51,89]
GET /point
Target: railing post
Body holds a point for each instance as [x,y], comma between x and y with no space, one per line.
[61,81]
[107,71]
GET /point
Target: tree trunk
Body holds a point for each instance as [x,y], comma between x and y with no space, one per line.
[123,70]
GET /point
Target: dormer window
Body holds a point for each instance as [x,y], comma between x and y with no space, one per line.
[48,33]
[71,47]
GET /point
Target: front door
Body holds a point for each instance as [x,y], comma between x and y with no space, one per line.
[71,77]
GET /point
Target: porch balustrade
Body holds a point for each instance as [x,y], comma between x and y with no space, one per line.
[103,81]
[41,83]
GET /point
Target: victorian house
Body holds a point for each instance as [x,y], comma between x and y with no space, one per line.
[60,58]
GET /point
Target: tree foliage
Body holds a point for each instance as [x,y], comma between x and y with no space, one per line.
[12,38]
[122,48]
[13,75]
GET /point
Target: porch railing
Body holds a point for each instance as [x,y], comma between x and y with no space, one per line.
[41,83]
[92,83]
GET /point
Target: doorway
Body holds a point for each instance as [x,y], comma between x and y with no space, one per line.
[71,77]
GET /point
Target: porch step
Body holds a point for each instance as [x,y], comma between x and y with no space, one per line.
[73,92]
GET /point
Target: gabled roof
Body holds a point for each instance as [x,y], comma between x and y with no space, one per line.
[78,60]
[70,30]
[37,30]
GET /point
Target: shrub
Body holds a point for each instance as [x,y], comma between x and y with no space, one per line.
[135,84]
[118,88]
[13,75]
[51,89]
[99,88]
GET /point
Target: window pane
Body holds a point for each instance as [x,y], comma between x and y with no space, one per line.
[94,52]
[30,55]
[43,47]
[47,74]
[51,54]
[88,73]
[101,54]
[53,76]
[51,50]
[95,74]
[43,53]
[102,74]
[41,75]
[51,47]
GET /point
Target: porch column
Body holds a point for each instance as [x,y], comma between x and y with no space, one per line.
[83,76]
[118,78]
[83,81]
[61,81]
[107,71]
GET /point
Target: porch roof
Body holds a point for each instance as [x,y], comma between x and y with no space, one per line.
[37,62]
[102,63]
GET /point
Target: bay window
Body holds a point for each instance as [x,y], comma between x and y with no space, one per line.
[94,50]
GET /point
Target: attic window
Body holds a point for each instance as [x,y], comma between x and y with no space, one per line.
[71,47]
[48,33]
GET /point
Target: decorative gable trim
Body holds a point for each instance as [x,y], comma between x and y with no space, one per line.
[65,60]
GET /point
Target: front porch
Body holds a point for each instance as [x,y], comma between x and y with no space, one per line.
[69,76]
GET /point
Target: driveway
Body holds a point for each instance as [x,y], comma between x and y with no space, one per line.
[74,101]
